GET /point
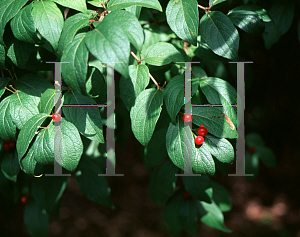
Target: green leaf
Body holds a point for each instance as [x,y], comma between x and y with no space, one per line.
[43,146]
[145,113]
[251,165]
[155,151]
[7,126]
[115,47]
[188,216]
[48,20]
[70,145]
[198,72]
[72,25]
[74,74]
[96,86]
[28,132]
[198,186]
[282,14]
[36,219]
[47,101]
[47,191]
[220,92]
[181,149]
[86,119]
[79,5]
[217,126]
[221,197]
[220,34]
[248,21]
[215,2]
[23,27]
[10,165]
[262,13]
[93,186]
[8,10]
[33,85]
[171,212]
[266,155]
[128,23]
[135,10]
[29,164]
[213,217]
[23,107]
[254,139]
[183,19]
[114,5]
[220,148]
[152,35]
[131,87]
[162,53]
[2,57]
[174,96]
[96,3]
[19,52]
[3,83]
[162,183]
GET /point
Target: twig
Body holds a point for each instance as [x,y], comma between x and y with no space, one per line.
[185,44]
[66,12]
[206,9]
[152,78]
[135,57]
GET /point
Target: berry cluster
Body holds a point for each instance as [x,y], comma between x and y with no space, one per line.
[202,131]
[8,145]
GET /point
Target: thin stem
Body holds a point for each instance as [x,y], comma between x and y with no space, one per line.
[66,12]
[135,57]
[9,90]
[58,109]
[152,78]
[185,45]
[139,61]
[2,73]
[204,8]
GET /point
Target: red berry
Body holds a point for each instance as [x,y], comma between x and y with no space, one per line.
[12,144]
[186,195]
[202,131]
[252,150]
[199,140]
[6,146]
[24,199]
[102,3]
[56,117]
[187,118]
[92,21]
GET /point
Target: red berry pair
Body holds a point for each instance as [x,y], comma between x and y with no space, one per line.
[56,117]
[202,132]
[8,145]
